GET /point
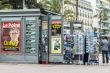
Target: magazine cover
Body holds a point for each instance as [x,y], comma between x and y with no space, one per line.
[10,36]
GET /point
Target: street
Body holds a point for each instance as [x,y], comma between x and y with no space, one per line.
[52,68]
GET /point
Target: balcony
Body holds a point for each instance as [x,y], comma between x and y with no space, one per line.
[105,28]
[106,21]
[105,35]
[100,6]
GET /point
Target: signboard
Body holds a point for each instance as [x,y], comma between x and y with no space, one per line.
[54,17]
[77,25]
[10,40]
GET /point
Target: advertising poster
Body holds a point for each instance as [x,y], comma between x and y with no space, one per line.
[44,25]
[69,40]
[56,36]
[56,28]
[10,40]
[56,45]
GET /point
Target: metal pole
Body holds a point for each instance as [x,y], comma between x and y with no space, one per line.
[24,6]
[62,8]
[100,23]
[76,10]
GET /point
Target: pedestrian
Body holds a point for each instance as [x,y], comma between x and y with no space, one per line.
[104,47]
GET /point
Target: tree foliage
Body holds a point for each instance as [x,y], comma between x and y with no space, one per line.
[69,15]
[56,6]
[103,15]
[4,4]
[52,5]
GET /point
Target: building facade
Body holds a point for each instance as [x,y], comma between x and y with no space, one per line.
[85,12]
[105,24]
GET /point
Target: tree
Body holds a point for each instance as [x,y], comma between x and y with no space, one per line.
[52,5]
[4,4]
[95,29]
[29,4]
[16,4]
[56,5]
[69,15]
[32,4]
[103,15]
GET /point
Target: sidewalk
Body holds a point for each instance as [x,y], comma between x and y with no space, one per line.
[38,68]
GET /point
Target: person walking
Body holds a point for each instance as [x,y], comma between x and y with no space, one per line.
[104,45]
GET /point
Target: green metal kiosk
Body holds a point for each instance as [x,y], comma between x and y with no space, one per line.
[30,36]
[51,49]
[19,35]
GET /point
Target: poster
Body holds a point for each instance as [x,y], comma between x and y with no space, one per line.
[68,40]
[10,40]
[56,36]
[56,28]
[44,25]
[56,45]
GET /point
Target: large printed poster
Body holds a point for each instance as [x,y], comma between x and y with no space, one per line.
[56,36]
[56,45]
[10,40]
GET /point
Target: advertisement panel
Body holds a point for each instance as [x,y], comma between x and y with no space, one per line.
[56,36]
[56,45]
[56,28]
[10,39]
[55,39]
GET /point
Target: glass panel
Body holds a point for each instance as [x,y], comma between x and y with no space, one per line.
[30,37]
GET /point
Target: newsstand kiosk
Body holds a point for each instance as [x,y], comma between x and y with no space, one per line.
[51,39]
[30,36]
[19,36]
